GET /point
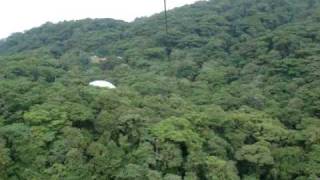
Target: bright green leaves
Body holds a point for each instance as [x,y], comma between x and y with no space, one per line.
[42,135]
[171,177]
[287,162]
[214,74]
[258,153]
[105,120]
[177,130]
[53,115]
[252,127]
[170,157]
[106,159]
[38,116]
[255,158]
[79,112]
[176,144]
[312,167]
[23,147]
[132,171]
[75,138]
[220,169]
[57,115]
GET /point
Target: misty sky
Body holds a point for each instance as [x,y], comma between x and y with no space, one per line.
[20,15]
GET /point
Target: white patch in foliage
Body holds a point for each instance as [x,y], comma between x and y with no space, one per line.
[102,84]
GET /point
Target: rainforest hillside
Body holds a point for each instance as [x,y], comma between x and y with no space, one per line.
[232,92]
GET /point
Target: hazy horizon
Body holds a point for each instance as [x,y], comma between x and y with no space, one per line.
[19,16]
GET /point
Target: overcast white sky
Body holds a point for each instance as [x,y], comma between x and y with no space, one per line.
[20,15]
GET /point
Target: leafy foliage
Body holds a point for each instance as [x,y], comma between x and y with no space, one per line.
[238,97]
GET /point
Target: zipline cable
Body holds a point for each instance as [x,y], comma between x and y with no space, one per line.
[168,50]
[166,16]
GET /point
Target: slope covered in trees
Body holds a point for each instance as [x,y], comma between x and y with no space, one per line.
[239,97]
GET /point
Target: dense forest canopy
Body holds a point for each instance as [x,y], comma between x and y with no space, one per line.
[238,97]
